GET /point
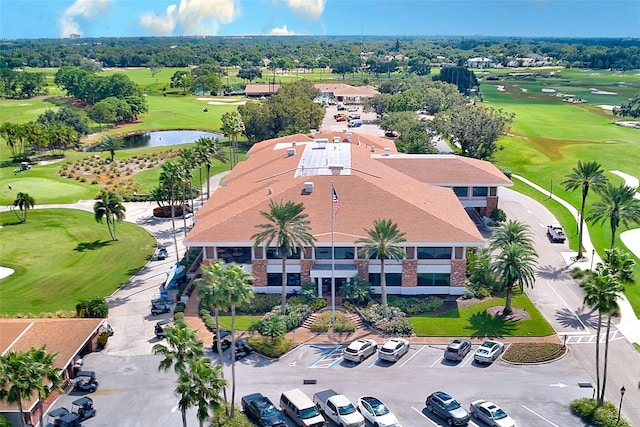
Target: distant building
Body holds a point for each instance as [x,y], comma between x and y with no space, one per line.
[74,36]
[479,62]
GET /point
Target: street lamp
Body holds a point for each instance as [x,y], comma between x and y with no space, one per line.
[593,254]
[622,390]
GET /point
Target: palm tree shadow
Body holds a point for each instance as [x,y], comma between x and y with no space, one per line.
[550,272]
[577,319]
[484,325]
[91,246]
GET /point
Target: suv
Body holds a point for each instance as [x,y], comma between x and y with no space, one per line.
[457,350]
[360,349]
[445,406]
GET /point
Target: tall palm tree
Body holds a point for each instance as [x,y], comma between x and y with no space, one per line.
[111,144]
[183,346]
[289,228]
[46,376]
[200,386]
[235,287]
[383,243]
[170,178]
[512,231]
[211,151]
[515,266]
[184,177]
[601,291]
[584,176]
[618,206]
[109,206]
[199,158]
[24,202]
[232,126]
[15,380]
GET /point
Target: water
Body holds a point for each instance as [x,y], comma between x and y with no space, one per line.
[162,138]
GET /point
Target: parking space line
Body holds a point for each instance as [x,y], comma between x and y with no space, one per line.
[424,416]
[540,416]
[373,363]
[338,360]
[323,356]
[437,360]
[466,360]
[412,356]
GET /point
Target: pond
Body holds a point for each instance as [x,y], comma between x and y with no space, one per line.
[161,138]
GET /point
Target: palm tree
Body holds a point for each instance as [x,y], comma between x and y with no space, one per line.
[617,205]
[514,265]
[200,386]
[109,206]
[383,243]
[170,177]
[585,176]
[44,374]
[235,287]
[512,231]
[199,158]
[111,144]
[232,126]
[183,346]
[24,202]
[15,380]
[289,228]
[601,291]
[211,151]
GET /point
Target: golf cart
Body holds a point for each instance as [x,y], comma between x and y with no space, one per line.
[25,166]
[243,348]
[60,417]
[161,326]
[159,307]
[85,381]
[83,408]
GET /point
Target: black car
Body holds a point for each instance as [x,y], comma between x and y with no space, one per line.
[225,341]
[445,406]
[261,410]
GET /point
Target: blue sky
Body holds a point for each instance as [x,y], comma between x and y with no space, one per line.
[121,18]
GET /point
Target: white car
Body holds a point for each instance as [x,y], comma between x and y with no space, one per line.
[488,352]
[376,412]
[393,349]
[359,350]
[491,414]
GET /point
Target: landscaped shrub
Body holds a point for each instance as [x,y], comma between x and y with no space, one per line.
[413,306]
[323,323]
[397,325]
[295,315]
[263,345]
[102,339]
[96,307]
[533,352]
[180,307]
[577,273]
[605,416]
[498,216]
[318,303]
[260,304]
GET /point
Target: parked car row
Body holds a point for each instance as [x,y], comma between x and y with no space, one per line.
[362,348]
[446,407]
[488,351]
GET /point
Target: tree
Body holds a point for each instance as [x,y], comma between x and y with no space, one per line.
[24,202]
[232,126]
[584,176]
[182,346]
[44,374]
[111,144]
[357,290]
[462,77]
[209,150]
[182,79]
[473,128]
[512,231]
[617,205]
[235,287]
[170,179]
[109,207]
[273,327]
[383,243]
[199,385]
[250,73]
[514,265]
[630,109]
[289,228]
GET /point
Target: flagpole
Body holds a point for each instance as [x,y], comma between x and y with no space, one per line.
[333,278]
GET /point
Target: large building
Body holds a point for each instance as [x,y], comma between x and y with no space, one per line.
[425,195]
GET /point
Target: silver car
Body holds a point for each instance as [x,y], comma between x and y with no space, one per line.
[376,412]
[488,352]
[393,349]
[359,350]
[491,414]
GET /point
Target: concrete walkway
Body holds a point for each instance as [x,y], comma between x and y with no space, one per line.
[629,324]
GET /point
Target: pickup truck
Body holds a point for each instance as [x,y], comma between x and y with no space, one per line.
[556,233]
[261,410]
[338,408]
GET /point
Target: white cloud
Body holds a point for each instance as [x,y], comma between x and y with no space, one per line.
[192,16]
[83,9]
[282,31]
[310,9]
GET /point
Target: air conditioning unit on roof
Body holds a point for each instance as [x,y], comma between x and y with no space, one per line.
[308,187]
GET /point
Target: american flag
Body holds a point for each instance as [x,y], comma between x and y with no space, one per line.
[336,202]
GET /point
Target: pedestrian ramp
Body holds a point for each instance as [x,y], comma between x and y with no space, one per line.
[330,357]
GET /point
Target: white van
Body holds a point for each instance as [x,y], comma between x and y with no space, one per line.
[301,409]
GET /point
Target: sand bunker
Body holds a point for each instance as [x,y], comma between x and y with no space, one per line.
[635,125]
[214,101]
[5,272]
[548,90]
[607,107]
[500,88]
[595,91]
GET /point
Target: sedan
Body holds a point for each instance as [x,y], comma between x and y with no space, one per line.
[393,349]
[360,349]
[341,119]
[376,412]
[491,414]
[488,352]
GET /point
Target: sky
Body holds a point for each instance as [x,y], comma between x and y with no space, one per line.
[126,18]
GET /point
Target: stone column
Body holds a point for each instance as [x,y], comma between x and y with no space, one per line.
[409,273]
[458,273]
[259,271]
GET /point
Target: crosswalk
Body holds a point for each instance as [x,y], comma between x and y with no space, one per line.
[589,338]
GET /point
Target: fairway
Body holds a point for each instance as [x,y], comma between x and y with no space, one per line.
[61,256]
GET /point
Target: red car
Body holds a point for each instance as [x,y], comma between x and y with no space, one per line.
[341,119]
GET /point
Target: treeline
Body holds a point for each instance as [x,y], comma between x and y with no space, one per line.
[313,52]
[15,84]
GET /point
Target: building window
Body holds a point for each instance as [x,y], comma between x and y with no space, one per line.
[461,191]
[259,252]
[274,253]
[323,253]
[393,279]
[344,253]
[274,279]
[493,191]
[240,255]
[480,191]
[434,253]
[293,279]
[434,279]
[459,253]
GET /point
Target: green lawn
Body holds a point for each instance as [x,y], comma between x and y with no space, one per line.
[243,323]
[474,321]
[61,256]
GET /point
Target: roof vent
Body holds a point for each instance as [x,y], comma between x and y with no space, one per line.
[308,187]
[336,139]
[387,151]
[373,149]
[322,143]
[269,190]
[313,133]
[291,152]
